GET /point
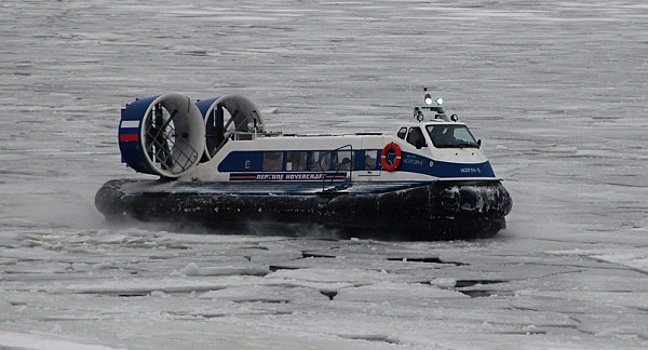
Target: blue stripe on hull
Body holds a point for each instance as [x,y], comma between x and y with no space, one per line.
[237,161]
[414,163]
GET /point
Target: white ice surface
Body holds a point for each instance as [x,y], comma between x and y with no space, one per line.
[556,91]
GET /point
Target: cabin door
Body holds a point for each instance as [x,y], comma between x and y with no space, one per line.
[368,161]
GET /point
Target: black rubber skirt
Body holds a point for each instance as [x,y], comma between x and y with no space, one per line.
[430,211]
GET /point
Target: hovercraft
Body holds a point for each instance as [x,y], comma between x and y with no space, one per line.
[216,165]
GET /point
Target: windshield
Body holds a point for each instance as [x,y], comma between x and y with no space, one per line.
[451,136]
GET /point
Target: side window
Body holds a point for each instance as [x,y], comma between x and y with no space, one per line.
[343,160]
[317,157]
[415,137]
[272,161]
[370,159]
[296,160]
[401,133]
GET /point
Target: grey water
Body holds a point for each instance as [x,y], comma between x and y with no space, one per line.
[556,91]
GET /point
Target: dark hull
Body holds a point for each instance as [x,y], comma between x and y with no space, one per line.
[416,211]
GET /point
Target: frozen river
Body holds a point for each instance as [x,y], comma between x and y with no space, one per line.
[557,92]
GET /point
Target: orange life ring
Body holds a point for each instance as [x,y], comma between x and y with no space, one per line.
[392,146]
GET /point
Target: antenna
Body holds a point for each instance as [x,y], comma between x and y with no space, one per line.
[418,61]
[409,81]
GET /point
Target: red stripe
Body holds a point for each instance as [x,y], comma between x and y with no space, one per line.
[128,137]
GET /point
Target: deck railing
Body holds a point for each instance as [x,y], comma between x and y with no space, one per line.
[345,166]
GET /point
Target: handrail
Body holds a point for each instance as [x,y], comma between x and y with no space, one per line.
[337,166]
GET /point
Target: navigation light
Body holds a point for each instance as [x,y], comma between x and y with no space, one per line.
[428,99]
